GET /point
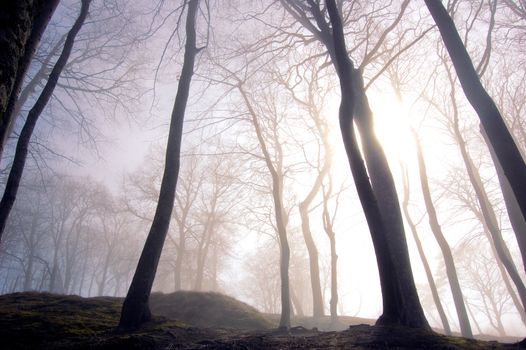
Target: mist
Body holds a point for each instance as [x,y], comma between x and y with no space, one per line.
[270,204]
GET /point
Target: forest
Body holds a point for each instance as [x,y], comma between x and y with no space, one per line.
[320,160]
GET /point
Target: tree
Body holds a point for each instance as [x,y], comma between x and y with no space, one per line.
[421,253]
[451,270]
[275,168]
[379,199]
[498,134]
[135,310]
[17,168]
[313,104]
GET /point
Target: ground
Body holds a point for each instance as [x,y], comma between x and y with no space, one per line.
[46,321]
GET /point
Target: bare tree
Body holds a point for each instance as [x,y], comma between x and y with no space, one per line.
[421,253]
[17,168]
[135,310]
[451,271]
[498,134]
[379,199]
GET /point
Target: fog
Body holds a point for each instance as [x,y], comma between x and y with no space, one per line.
[262,157]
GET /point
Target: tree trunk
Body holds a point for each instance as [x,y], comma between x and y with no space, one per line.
[204,245]
[518,223]
[22,147]
[503,273]
[488,215]
[135,310]
[327,225]
[451,271]
[400,299]
[279,213]
[44,11]
[317,299]
[498,134]
[179,259]
[28,274]
[296,303]
[429,274]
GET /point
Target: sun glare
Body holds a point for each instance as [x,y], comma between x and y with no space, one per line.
[392,127]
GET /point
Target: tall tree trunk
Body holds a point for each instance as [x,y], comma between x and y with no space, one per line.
[201,261]
[518,223]
[384,189]
[135,310]
[400,299]
[43,14]
[15,175]
[179,259]
[28,274]
[296,303]
[451,271]
[317,299]
[328,227]
[425,263]
[498,134]
[279,212]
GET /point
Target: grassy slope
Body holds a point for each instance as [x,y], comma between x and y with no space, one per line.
[46,321]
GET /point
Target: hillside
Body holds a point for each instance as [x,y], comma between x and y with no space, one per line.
[46,321]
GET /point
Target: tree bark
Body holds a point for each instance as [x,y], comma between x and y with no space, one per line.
[16,21]
[44,11]
[22,147]
[498,134]
[451,271]
[135,310]
[400,299]
[518,223]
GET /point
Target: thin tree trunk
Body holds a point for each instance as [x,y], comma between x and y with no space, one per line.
[28,277]
[296,303]
[328,227]
[279,214]
[498,134]
[15,175]
[43,15]
[204,244]
[179,259]
[317,299]
[473,318]
[451,271]
[400,299]
[135,310]
[429,274]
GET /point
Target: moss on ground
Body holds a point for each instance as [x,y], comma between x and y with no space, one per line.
[208,310]
[47,321]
